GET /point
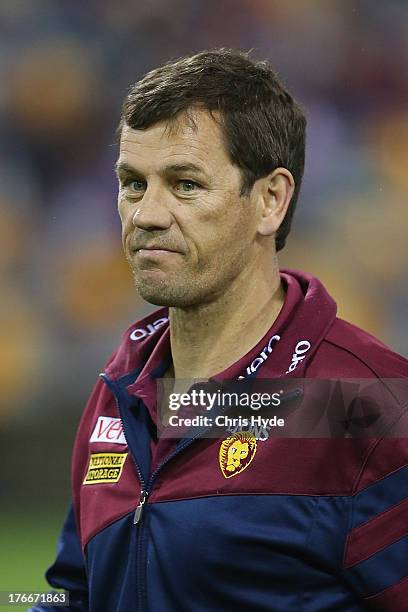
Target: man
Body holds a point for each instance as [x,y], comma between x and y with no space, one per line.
[210,165]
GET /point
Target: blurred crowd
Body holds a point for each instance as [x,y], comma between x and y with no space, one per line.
[66,293]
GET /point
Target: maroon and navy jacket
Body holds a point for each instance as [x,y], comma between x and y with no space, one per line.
[307,524]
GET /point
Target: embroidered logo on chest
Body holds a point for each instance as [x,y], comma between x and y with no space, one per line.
[236,453]
[104,467]
[108,429]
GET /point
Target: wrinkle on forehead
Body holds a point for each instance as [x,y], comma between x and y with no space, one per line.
[196,134]
[188,125]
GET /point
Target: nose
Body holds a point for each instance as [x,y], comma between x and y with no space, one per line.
[152,213]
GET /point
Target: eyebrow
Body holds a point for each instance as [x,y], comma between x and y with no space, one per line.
[124,167]
[173,168]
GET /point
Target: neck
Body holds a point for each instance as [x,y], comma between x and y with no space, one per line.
[208,338]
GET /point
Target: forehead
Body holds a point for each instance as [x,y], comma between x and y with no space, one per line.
[196,138]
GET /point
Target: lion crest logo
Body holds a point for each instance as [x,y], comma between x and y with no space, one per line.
[236,453]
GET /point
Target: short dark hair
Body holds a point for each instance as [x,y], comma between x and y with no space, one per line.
[262,125]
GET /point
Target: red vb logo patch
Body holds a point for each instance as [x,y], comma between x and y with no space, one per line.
[108,429]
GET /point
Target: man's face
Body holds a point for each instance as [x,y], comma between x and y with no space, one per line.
[186,231]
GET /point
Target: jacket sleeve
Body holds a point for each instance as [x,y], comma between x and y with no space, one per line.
[68,570]
[376,551]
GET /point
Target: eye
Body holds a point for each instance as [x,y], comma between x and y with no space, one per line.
[186,186]
[136,185]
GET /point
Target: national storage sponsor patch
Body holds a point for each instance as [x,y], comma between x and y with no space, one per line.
[104,467]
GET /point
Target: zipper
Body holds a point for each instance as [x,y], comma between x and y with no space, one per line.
[138,515]
[115,390]
[139,510]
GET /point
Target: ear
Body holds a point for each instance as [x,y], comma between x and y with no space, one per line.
[275,192]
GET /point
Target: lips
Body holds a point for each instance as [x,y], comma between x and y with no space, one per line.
[136,247]
[154,248]
[137,243]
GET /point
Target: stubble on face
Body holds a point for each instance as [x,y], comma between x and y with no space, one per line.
[175,291]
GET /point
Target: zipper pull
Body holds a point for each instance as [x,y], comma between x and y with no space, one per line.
[139,509]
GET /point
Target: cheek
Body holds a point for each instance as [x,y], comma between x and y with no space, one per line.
[125,215]
[121,209]
[211,230]
[228,237]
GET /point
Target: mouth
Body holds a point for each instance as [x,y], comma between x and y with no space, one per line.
[152,250]
[153,254]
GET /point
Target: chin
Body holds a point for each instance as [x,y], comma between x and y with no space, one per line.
[163,294]
[161,299]
[172,290]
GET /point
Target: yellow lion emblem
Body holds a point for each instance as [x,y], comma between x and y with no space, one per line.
[236,453]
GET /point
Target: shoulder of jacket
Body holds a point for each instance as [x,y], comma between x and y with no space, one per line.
[365,348]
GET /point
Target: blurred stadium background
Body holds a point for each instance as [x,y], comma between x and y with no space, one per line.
[66,293]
